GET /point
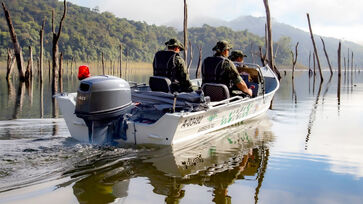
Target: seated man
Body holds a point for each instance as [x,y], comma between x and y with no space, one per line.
[219,69]
[237,58]
[168,63]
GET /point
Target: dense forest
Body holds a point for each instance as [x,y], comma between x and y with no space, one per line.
[87,33]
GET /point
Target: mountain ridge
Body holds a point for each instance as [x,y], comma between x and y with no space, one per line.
[256,26]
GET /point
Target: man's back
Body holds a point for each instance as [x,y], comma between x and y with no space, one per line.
[212,69]
[164,63]
[170,64]
[218,69]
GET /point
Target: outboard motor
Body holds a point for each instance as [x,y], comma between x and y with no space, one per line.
[101,103]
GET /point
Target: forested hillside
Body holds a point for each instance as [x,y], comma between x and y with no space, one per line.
[87,33]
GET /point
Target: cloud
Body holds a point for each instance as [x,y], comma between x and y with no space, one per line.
[331,14]
[328,12]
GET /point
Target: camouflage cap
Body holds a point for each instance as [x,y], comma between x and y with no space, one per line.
[221,46]
[174,42]
[237,53]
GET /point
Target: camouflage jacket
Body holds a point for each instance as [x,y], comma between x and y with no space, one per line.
[181,74]
[230,76]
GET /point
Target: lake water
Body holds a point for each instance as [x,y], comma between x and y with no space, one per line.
[306,149]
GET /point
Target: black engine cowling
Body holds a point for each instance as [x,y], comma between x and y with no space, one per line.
[102,97]
[102,102]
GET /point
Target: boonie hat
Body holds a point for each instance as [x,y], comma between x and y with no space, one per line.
[174,42]
[237,53]
[221,46]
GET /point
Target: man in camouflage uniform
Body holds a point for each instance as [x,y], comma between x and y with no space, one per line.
[168,63]
[219,69]
[237,57]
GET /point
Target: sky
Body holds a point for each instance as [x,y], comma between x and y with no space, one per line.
[342,19]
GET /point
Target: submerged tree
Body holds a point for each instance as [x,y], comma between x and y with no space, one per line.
[17,49]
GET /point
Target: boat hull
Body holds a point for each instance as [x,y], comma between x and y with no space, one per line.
[179,127]
[173,128]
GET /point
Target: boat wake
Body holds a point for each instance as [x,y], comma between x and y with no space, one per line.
[38,150]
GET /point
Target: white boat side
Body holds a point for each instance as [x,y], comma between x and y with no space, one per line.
[178,127]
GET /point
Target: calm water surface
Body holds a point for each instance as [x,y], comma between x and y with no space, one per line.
[306,149]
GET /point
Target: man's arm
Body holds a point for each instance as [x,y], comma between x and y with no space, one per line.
[183,73]
[243,87]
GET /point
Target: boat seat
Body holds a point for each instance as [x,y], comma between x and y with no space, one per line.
[216,92]
[159,83]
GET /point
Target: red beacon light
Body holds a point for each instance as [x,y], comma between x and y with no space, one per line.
[83,72]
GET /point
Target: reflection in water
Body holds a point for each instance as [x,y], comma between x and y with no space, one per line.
[261,174]
[29,88]
[309,83]
[327,89]
[314,78]
[19,100]
[55,109]
[11,92]
[41,99]
[236,165]
[338,92]
[293,94]
[222,158]
[312,116]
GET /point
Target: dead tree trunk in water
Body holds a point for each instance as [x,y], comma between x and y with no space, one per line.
[345,66]
[348,57]
[29,68]
[55,55]
[31,62]
[72,60]
[315,50]
[294,59]
[269,35]
[339,71]
[309,60]
[197,72]
[17,48]
[276,51]
[339,60]
[120,60]
[327,57]
[49,69]
[262,57]
[61,72]
[111,68]
[352,62]
[351,70]
[191,56]
[314,63]
[41,52]
[103,65]
[55,58]
[10,64]
[186,32]
[127,62]
[310,70]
